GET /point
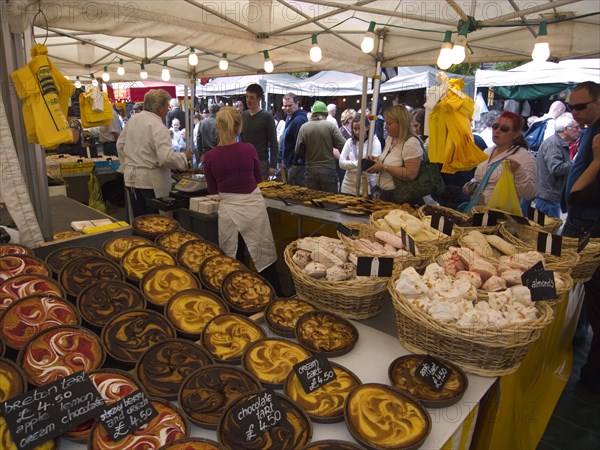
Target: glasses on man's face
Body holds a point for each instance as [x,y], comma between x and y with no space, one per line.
[578,106]
[503,128]
[572,127]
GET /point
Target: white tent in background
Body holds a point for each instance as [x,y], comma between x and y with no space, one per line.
[421,77]
[331,83]
[279,83]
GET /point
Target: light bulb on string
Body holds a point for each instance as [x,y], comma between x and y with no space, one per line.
[223,63]
[77,82]
[268,65]
[315,50]
[444,60]
[105,75]
[368,43]
[120,69]
[541,49]
[143,73]
[192,57]
[459,49]
[165,75]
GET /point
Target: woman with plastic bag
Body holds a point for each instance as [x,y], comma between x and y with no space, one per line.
[509,145]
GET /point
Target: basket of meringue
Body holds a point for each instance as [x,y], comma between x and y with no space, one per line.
[443,315]
[324,274]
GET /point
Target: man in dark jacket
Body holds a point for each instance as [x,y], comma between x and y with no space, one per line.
[292,163]
[175,112]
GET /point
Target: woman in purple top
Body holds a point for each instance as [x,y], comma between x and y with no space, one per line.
[232,170]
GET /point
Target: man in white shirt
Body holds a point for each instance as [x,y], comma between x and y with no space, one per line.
[331,112]
[108,135]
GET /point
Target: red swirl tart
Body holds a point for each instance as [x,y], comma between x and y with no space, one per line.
[12,380]
[13,265]
[163,367]
[15,249]
[30,315]
[101,301]
[116,247]
[161,283]
[168,426]
[190,310]
[58,352]
[58,258]
[128,334]
[141,259]
[192,444]
[25,285]
[84,271]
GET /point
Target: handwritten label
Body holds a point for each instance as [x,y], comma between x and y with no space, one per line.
[314,372]
[47,412]
[368,266]
[127,415]
[536,215]
[540,282]
[549,243]
[433,372]
[442,224]
[408,242]
[259,413]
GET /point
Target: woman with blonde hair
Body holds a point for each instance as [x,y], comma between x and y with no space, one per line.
[232,170]
[346,119]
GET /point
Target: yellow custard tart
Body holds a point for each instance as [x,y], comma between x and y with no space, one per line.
[116,247]
[172,241]
[152,225]
[160,283]
[227,336]
[214,270]
[192,254]
[190,310]
[139,260]
[282,315]
[246,292]
[321,331]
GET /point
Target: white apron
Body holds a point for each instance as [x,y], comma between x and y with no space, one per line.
[246,213]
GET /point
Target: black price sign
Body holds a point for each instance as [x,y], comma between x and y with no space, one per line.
[488,219]
[549,243]
[536,215]
[368,266]
[519,219]
[314,372]
[346,231]
[127,415]
[408,242]
[540,282]
[259,413]
[442,224]
[47,412]
[433,372]
[583,241]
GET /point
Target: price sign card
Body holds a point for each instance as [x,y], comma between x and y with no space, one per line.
[314,372]
[583,241]
[549,243]
[346,231]
[367,266]
[127,415]
[540,283]
[408,242]
[488,219]
[536,215]
[442,224]
[519,219]
[259,413]
[433,372]
[47,412]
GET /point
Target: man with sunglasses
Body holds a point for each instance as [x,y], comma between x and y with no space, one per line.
[584,103]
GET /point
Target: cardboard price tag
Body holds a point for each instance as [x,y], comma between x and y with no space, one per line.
[549,243]
[47,412]
[368,266]
[442,224]
[259,413]
[488,219]
[314,372]
[536,215]
[540,282]
[433,372]
[127,415]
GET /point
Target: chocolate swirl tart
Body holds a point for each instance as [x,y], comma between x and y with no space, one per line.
[381,417]
[12,380]
[207,392]
[271,360]
[325,404]
[58,258]
[246,292]
[160,283]
[57,352]
[192,444]
[113,385]
[25,285]
[331,444]
[101,301]
[130,333]
[15,249]
[189,311]
[162,368]
[172,241]
[116,247]
[152,225]
[168,426]
[227,336]
[192,254]
[282,315]
[402,373]
[214,270]
[139,260]
[324,332]
[84,271]
[293,430]
[7,443]
[13,265]
[30,315]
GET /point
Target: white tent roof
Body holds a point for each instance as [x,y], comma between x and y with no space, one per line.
[84,36]
[275,83]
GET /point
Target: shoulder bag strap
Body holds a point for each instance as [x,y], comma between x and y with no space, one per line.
[482,184]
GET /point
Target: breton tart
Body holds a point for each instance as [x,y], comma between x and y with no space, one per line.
[12,381]
[282,315]
[381,417]
[13,265]
[116,247]
[130,333]
[142,258]
[84,271]
[28,316]
[160,283]
[214,270]
[152,225]
[402,373]
[172,241]
[190,310]
[192,254]
[192,444]
[246,292]
[99,302]
[321,331]
[162,368]
[15,249]
[325,404]
[227,336]
[207,392]
[24,285]
[271,360]
[58,258]
[60,351]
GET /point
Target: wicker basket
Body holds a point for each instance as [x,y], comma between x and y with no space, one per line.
[426,251]
[589,258]
[482,351]
[351,299]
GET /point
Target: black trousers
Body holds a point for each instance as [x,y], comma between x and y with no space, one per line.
[137,200]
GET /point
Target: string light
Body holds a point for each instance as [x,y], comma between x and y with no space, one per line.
[77,82]
[143,73]
[165,75]
[192,57]
[223,63]
[460,44]
[541,49]
[368,43]
[105,75]
[315,50]
[268,65]
[120,69]
[444,60]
